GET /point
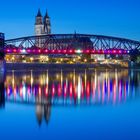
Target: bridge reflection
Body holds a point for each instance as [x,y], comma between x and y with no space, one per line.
[45,89]
[2,95]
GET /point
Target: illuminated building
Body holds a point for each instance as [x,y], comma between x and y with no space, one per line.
[42,25]
[49,48]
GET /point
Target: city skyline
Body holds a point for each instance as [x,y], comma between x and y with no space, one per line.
[120,18]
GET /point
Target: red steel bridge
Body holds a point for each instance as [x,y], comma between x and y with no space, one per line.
[71,44]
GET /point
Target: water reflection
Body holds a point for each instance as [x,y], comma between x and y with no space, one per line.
[67,88]
[2,95]
[43,110]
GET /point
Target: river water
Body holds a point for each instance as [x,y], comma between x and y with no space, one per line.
[85,104]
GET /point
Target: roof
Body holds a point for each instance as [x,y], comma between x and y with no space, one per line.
[39,13]
[46,15]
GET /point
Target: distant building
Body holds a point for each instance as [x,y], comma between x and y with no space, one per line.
[42,25]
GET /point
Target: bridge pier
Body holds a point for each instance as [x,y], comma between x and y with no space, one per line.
[2,53]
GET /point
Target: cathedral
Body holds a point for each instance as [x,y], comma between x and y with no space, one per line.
[42,24]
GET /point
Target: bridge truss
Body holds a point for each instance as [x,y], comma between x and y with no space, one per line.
[71,44]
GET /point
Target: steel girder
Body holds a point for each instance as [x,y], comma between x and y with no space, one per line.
[73,41]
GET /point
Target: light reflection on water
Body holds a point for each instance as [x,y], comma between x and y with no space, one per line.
[70,88]
[45,89]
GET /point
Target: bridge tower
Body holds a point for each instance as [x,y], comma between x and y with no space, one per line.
[2,54]
[2,38]
[47,24]
[39,27]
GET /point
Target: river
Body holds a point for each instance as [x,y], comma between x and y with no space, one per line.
[70,104]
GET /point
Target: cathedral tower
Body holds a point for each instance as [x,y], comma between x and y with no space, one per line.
[39,27]
[47,24]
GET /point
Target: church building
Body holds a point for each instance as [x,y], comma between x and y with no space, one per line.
[42,24]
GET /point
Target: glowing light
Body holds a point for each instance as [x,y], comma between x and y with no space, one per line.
[108,89]
[53,90]
[78,51]
[103,91]
[8,50]
[13,58]
[15,91]
[64,51]
[53,51]
[28,50]
[71,90]
[39,51]
[14,50]
[8,90]
[125,51]
[70,51]
[59,51]
[74,91]
[59,90]
[120,90]
[79,57]
[82,90]
[24,91]
[88,89]
[29,91]
[65,89]
[47,59]
[46,90]
[120,51]
[93,51]
[46,51]
[74,60]
[79,88]
[87,51]
[31,59]
[85,60]
[23,51]
[39,91]
[114,51]
[114,91]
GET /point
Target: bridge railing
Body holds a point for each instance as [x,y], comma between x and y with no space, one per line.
[66,42]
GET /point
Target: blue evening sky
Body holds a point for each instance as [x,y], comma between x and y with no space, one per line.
[108,17]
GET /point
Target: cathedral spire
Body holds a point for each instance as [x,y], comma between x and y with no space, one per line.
[46,15]
[39,17]
[39,24]
[42,24]
[47,24]
[39,13]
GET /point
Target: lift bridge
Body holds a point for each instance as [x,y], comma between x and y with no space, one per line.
[69,44]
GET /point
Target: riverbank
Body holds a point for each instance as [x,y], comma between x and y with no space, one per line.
[41,66]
